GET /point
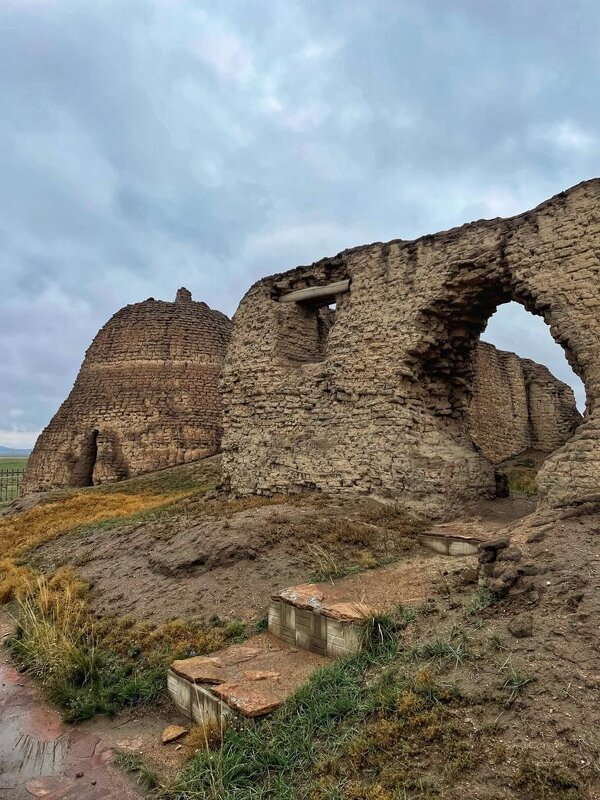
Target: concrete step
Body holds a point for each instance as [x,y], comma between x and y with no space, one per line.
[308,625]
[328,618]
[250,679]
[459,538]
[449,543]
[304,616]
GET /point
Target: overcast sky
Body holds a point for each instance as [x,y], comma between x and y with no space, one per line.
[150,144]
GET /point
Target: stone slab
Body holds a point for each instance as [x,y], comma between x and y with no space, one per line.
[257,677]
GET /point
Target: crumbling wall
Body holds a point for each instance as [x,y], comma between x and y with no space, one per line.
[517,405]
[382,407]
[552,410]
[147,397]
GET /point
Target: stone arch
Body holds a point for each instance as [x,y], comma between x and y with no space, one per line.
[383,411]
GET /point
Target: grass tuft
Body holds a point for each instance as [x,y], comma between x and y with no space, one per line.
[89,667]
[545,781]
[522,479]
[480,600]
[134,765]
[514,682]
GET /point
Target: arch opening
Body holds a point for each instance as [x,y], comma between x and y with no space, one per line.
[498,394]
[87,461]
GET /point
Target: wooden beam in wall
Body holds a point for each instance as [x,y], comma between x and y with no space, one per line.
[315,292]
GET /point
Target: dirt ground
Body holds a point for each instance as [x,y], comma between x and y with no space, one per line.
[213,556]
[226,558]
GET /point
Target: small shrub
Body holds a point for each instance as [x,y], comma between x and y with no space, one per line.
[260,625]
[236,631]
[16,581]
[206,736]
[549,781]
[522,480]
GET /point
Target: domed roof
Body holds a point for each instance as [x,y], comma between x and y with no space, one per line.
[146,397]
[155,330]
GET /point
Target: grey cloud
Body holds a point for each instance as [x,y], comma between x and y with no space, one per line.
[152,143]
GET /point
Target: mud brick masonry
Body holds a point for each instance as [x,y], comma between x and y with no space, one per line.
[518,405]
[146,397]
[372,395]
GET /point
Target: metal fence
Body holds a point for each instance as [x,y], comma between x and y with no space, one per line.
[11,484]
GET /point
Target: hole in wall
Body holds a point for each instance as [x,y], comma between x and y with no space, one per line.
[83,473]
[514,329]
[526,399]
[304,330]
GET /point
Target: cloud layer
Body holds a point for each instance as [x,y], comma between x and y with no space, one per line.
[149,144]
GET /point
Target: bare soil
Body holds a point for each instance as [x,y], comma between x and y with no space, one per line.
[226,558]
[214,556]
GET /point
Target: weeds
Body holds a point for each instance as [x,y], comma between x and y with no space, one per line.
[260,625]
[514,682]
[133,764]
[496,642]
[388,755]
[442,652]
[16,581]
[480,600]
[522,479]
[91,668]
[536,781]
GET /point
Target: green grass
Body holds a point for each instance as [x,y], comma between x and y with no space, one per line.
[480,600]
[18,464]
[514,682]
[8,485]
[522,479]
[261,759]
[133,764]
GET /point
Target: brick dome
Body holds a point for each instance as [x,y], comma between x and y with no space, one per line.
[146,397]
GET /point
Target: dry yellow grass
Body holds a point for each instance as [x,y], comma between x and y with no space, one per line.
[24,531]
[15,581]
[21,532]
[121,635]
[206,736]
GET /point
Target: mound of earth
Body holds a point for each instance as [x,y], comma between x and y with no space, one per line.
[206,555]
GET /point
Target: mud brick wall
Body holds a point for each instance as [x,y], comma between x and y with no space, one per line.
[553,414]
[146,397]
[378,403]
[517,405]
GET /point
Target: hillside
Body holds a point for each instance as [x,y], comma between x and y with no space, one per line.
[11,452]
[475,690]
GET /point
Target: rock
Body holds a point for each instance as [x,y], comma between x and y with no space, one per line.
[172,733]
[510,554]
[521,626]
[499,543]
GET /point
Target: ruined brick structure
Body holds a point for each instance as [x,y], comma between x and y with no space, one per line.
[146,397]
[373,396]
[518,405]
